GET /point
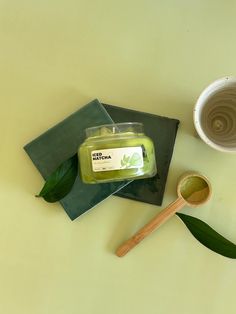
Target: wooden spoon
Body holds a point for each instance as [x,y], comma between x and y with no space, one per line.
[196,198]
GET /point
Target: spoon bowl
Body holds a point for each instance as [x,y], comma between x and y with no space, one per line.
[194,188]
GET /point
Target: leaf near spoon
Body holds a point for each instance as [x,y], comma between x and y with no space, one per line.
[208,236]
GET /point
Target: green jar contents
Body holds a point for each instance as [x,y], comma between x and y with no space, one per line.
[116,152]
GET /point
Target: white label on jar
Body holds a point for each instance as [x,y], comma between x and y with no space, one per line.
[117,158]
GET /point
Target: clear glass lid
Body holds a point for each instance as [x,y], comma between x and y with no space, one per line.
[118,128]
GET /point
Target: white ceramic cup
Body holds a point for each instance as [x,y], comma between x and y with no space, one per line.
[214,115]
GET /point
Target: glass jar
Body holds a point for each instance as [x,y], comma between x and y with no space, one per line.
[116,152]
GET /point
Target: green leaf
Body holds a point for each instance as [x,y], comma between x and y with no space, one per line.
[208,236]
[60,182]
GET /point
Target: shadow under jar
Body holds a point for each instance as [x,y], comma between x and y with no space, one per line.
[116,152]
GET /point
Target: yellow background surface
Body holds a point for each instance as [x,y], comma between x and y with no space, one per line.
[154,56]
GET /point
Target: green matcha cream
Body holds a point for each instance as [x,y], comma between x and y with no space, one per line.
[116,152]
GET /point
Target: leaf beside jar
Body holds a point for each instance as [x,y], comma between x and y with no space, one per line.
[61,181]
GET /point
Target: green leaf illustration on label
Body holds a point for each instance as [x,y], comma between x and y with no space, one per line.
[126,159]
[135,160]
[122,163]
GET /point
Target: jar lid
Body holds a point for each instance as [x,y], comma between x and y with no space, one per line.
[116,128]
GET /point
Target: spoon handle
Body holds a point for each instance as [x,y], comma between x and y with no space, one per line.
[158,220]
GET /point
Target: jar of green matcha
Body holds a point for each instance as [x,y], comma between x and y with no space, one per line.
[116,152]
